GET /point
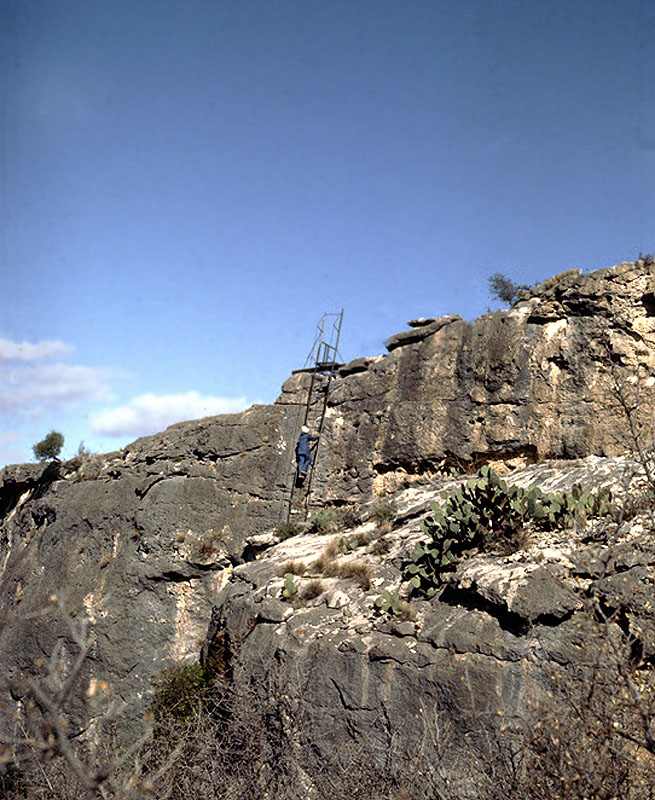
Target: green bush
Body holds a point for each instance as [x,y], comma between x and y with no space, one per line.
[349,517]
[288,529]
[325,520]
[485,513]
[48,448]
[384,511]
[183,691]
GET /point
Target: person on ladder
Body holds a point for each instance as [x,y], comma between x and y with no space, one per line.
[304,453]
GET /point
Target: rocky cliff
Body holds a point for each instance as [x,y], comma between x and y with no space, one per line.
[148,540]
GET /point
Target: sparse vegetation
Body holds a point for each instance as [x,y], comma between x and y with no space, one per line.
[329,565]
[331,520]
[324,521]
[359,571]
[328,555]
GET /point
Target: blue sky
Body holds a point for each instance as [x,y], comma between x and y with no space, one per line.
[186,186]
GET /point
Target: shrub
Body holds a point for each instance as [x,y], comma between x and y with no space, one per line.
[183,691]
[48,448]
[384,512]
[324,521]
[380,546]
[349,517]
[288,529]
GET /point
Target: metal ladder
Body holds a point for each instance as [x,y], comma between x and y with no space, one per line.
[323,358]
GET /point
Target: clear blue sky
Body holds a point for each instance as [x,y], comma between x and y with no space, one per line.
[187,185]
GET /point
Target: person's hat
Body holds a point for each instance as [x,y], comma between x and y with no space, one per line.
[305,429]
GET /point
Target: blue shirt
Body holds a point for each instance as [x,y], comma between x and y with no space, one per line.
[302,448]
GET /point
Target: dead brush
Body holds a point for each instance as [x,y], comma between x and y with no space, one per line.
[380,546]
[205,549]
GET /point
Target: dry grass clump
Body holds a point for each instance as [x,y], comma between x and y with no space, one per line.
[407,611]
[328,565]
[312,589]
[206,546]
[327,556]
[359,571]
[294,566]
[205,549]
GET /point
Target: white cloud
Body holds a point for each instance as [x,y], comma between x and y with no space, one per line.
[151,413]
[24,351]
[31,382]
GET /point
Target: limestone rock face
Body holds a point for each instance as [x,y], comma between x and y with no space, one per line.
[142,540]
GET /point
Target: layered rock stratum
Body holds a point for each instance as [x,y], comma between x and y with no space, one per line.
[169,545]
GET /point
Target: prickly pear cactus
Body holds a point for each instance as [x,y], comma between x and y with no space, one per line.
[486,512]
[290,588]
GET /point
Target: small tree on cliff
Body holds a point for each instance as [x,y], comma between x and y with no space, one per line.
[504,289]
[49,447]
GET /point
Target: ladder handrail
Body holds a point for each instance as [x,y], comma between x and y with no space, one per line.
[323,350]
